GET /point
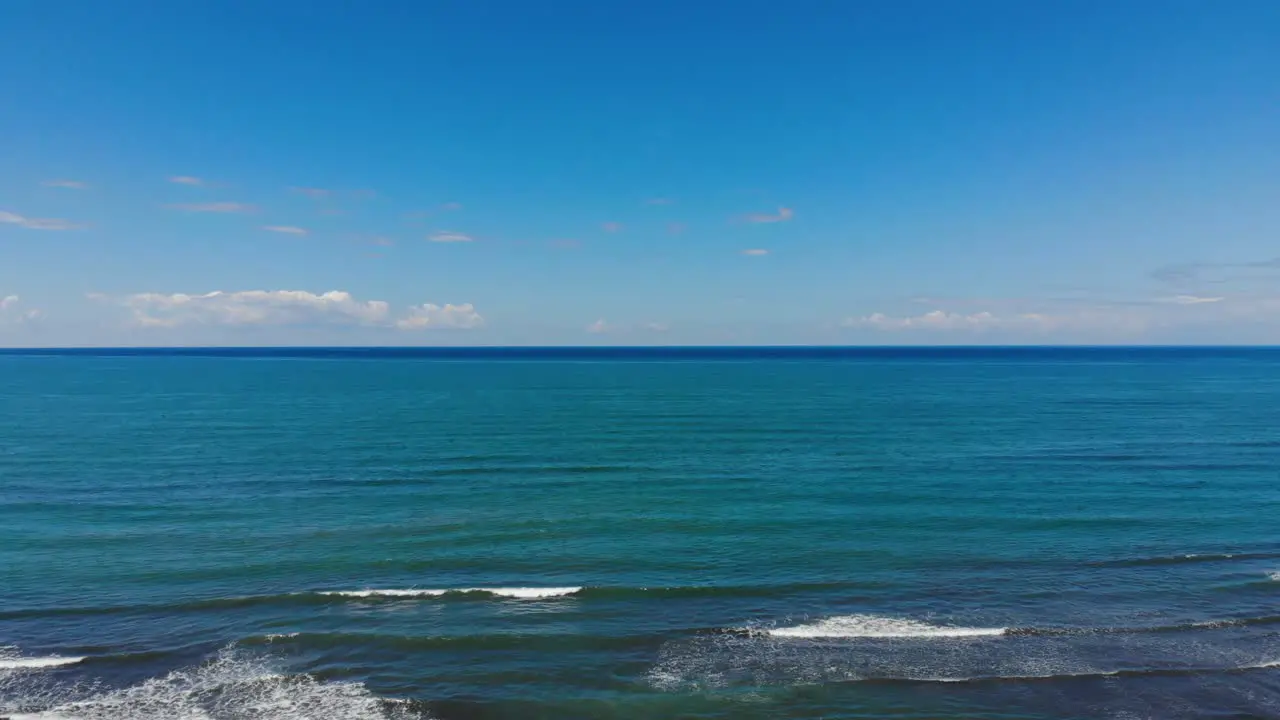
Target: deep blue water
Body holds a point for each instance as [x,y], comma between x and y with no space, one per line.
[640,533]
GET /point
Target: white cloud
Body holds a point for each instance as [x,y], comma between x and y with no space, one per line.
[1192,300]
[428,316]
[451,206]
[13,313]
[611,227]
[935,320]
[38,223]
[67,184]
[783,215]
[286,229]
[215,207]
[598,327]
[285,307]
[755,251]
[186,180]
[313,192]
[449,236]
[657,327]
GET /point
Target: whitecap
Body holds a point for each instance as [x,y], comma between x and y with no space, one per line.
[36,663]
[521,593]
[874,626]
[232,686]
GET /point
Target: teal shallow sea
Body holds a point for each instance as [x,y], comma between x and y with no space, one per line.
[571,534]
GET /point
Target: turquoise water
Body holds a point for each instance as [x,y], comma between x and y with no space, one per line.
[620,534]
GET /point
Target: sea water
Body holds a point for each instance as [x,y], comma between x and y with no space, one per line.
[621,533]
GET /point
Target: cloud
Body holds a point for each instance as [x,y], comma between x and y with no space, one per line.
[186,180]
[1188,273]
[659,201]
[430,317]
[68,184]
[566,244]
[1191,300]
[286,229]
[611,227]
[215,207]
[783,215]
[657,327]
[450,206]
[676,228]
[449,236]
[382,241]
[755,251]
[598,327]
[934,320]
[285,308]
[312,192]
[38,223]
[12,312]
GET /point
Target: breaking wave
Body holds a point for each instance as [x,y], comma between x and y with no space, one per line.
[519,593]
[873,626]
[231,686]
[11,659]
[869,648]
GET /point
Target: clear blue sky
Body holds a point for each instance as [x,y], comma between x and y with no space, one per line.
[581,172]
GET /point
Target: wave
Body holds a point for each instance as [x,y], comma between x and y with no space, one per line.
[873,626]
[232,686]
[39,662]
[1182,559]
[520,593]
[323,597]
[1274,576]
[873,649]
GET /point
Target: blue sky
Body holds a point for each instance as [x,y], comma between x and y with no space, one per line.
[569,172]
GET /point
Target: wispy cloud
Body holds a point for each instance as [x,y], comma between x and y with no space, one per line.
[10,218]
[611,227]
[286,308]
[215,207]
[286,229]
[451,206]
[659,201]
[657,327]
[67,184]
[598,327]
[783,215]
[1184,274]
[382,241]
[755,252]
[676,228]
[1192,300]
[12,311]
[449,236]
[186,180]
[313,192]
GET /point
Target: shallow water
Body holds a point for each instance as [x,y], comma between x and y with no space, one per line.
[640,534]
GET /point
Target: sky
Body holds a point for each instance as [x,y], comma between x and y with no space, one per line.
[576,172]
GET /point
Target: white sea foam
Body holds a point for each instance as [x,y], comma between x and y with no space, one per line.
[522,593]
[36,663]
[874,626]
[233,686]
[1274,575]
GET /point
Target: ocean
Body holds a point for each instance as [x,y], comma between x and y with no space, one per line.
[640,533]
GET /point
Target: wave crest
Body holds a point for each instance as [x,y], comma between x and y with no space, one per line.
[232,686]
[519,593]
[874,626]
